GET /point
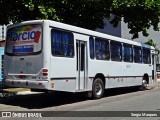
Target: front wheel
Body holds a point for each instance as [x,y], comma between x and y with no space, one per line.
[144,85]
[97,88]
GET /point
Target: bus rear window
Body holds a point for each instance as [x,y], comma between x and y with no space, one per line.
[24,40]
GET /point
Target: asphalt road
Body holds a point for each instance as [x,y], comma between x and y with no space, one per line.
[126,99]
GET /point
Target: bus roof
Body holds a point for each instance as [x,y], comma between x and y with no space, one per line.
[81,31]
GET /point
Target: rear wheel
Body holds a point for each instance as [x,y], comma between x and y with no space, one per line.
[97,88]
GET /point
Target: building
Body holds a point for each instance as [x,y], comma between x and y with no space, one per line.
[3,32]
[122,31]
[2,43]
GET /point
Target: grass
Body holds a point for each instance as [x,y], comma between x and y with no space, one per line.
[15,90]
[11,91]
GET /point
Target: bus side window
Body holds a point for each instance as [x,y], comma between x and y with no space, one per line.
[56,38]
[137,54]
[62,43]
[91,46]
[116,51]
[146,56]
[128,53]
[102,49]
[68,48]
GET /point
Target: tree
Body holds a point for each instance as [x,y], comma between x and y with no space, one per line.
[151,43]
[20,10]
[138,14]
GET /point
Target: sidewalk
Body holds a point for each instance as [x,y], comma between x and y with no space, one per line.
[154,85]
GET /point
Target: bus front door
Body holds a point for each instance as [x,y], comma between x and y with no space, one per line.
[81,64]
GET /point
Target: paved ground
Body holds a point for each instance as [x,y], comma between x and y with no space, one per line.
[116,100]
[10,93]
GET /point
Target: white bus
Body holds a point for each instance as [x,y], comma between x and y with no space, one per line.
[49,55]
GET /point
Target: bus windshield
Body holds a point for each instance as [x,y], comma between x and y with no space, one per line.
[24,40]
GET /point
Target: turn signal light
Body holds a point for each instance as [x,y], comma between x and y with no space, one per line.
[45,70]
[52,84]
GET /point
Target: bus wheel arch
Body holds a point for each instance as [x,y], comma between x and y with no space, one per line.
[102,77]
[146,78]
[98,86]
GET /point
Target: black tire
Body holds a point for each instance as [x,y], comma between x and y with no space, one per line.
[97,88]
[88,94]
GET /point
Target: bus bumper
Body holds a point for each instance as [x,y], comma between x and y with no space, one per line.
[39,84]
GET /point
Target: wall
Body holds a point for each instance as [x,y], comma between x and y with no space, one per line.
[109,29]
[3,32]
[1,62]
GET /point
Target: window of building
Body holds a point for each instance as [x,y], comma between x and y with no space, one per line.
[91,45]
[137,54]
[128,53]
[146,56]
[62,43]
[102,49]
[116,51]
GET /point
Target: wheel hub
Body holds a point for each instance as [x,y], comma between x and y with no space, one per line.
[98,89]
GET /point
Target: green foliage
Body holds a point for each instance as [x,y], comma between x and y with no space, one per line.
[138,14]
[151,43]
[21,10]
